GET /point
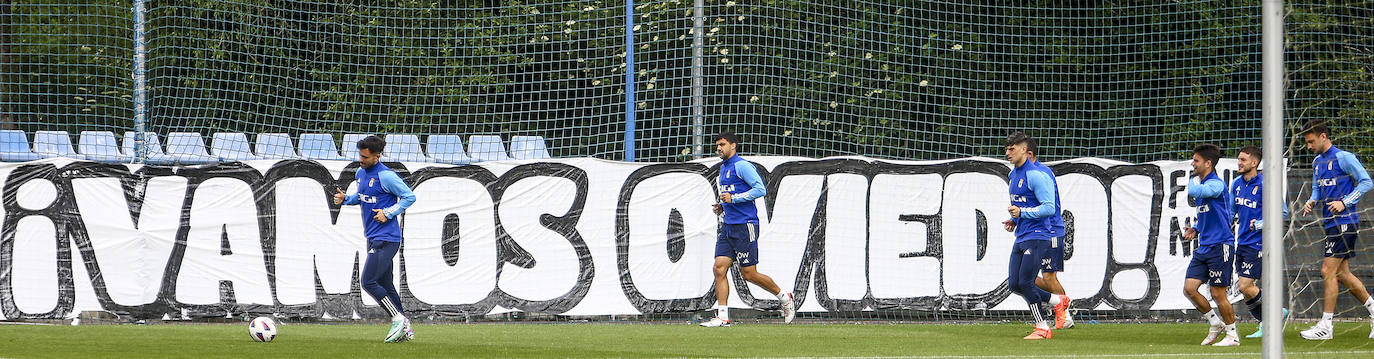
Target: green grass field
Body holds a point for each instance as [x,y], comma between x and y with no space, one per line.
[655,340]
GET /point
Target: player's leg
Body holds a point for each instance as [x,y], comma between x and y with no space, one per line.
[1022,270]
[1331,266]
[376,271]
[1049,281]
[748,267]
[721,271]
[1195,277]
[1220,268]
[1357,289]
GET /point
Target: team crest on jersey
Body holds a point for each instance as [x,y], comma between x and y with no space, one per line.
[372,182]
[1254,191]
[1021,183]
[1328,165]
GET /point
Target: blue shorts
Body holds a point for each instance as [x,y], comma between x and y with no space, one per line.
[1054,256]
[1212,264]
[1249,262]
[1340,241]
[739,242]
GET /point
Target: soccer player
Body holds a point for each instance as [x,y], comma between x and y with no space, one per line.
[1034,205]
[739,185]
[1248,208]
[1049,278]
[1338,181]
[383,196]
[1212,261]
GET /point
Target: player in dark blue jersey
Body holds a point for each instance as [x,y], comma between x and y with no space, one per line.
[1338,181]
[1247,205]
[383,196]
[739,185]
[1212,261]
[1034,209]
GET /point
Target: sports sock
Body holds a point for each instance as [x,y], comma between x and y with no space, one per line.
[1326,318]
[1055,299]
[1231,330]
[1369,304]
[723,312]
[782,296]
[1255,310]
[1212,318]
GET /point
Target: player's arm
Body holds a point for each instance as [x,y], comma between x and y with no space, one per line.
[1235,214]
[1043,187]
[1316,193]
[347,199]
[1210,189]
[751,176]
[393,184]
[1357,172]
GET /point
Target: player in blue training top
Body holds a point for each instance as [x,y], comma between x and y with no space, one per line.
[1338,181]
[1247,206]
[1034,207]
[1049,272]
[1212,261]
[383,196]
[739,185]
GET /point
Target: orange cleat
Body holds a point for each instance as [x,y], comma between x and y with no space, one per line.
[1039,334]
[1061,313]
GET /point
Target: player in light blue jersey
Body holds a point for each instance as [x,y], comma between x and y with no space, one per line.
[1247,206]
[383,196]
[1035,221]
[1212,261]
[739,185]
[1338,181]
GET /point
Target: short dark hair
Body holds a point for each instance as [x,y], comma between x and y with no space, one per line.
[1019,137]
[728,136]
[372,143]
[1208,152]
[1253,152]
[1316,127]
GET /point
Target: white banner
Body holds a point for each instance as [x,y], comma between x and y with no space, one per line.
[573,237]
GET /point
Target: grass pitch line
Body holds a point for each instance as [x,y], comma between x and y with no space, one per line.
[1041,356]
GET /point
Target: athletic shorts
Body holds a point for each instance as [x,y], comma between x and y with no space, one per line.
[739,242]
[1340,241]
[1213,264]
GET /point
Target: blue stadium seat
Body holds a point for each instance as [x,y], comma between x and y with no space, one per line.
[188,148]
[231,146]
[528,147]
[154,148]
[101,146]
[54,144]
[486,148]
[404,148]
[319,146]
[14,147]
[349,147]
[448,149]
[275,146]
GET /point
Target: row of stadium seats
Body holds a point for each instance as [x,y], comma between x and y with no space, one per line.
[189,147]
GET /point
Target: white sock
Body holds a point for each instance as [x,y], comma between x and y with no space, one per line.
[398,317]
[1212,318]
[723,312]
[782,296]
[1231,330]
[1055,299]
[1369,304]
[1042,325]
[1326,317]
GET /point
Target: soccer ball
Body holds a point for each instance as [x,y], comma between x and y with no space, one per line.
[262,329]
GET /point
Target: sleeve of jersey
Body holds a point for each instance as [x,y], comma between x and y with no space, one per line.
[1357,172]
[1316,191]
[1232,204]
[353,198]
[750,175]
[394,185]
[1209,189]
[1043,187]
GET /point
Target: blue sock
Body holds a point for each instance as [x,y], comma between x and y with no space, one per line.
[1255,310]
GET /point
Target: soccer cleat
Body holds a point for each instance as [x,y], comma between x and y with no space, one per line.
[1212,334]
[1229,341]
[1371,327]
[789,311]
[1259,333]
[410,332]
[1038,334]
[1061,312]
[716,322]
[1068,321]
[398,330]
[1321,331]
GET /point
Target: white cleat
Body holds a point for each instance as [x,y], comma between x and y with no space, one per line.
[1228,341]
[1212,333]
[716,322]
[1371,327]
[789,310]
[1068,321]
[1321,331]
